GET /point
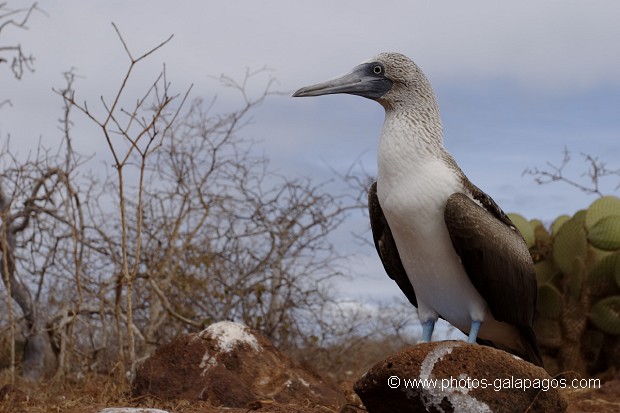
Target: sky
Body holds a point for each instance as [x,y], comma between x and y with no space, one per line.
[516,82]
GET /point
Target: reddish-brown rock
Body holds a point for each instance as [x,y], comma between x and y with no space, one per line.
[454,376]
[230,365]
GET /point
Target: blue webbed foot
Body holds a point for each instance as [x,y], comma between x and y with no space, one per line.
[427,331]
[473,331]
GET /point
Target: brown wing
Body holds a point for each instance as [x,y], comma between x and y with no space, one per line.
[495,258]
[386,247]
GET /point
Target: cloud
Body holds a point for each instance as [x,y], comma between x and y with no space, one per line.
[552,44]
[516,81]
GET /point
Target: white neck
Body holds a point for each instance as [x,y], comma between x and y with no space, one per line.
[409,139]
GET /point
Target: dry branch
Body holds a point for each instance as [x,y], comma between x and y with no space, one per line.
[18,18]
[596,170]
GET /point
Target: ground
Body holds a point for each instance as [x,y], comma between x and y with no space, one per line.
[98,392]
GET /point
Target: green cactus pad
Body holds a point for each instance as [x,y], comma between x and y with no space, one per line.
[535,223]
[604,276]
[549,301]
[605,315]
[542,235]
[577,277]
[596,255]
[557,224]
[542,244]
[605,233]
[570,243]
[524,227]
[580,216]
[545,272]
[601,208]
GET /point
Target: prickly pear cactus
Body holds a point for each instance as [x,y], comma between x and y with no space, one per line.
[577,263]
[605,315]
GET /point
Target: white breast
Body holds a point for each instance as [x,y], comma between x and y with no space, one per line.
[413,186]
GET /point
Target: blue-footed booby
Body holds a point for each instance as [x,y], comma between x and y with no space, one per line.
[449,247]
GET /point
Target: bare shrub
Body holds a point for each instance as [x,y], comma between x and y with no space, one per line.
[13,54]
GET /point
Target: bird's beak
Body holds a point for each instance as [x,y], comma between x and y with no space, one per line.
[360,81]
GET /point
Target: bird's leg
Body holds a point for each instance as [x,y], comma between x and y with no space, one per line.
[427,330]
[473,331]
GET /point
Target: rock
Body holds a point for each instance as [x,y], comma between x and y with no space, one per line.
[454,376]
[131,410]
[233,366]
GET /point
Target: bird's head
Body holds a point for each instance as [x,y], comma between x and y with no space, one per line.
[391,79]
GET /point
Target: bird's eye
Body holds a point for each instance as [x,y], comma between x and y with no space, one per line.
[377,70]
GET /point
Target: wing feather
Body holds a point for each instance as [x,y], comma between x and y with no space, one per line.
[386,247]
[495,257]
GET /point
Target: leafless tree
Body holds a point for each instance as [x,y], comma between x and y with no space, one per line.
[189,227]
[41,223]
[142,131]
[13,54]
[215,234]
[596,170]
[225,238]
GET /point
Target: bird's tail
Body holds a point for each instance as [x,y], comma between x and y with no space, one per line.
[528,351]
[530,344]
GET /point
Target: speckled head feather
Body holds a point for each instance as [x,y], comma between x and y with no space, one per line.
[410,89]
